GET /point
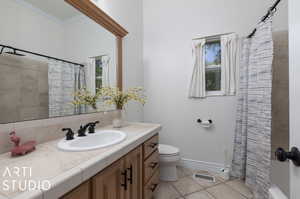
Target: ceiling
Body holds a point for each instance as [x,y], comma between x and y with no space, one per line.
[56,8]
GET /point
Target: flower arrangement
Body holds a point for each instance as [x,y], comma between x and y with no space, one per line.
[85,97]
[113,96]
[110,96]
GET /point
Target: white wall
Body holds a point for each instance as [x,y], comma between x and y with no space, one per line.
[85,38]
[23,28]
[129,14]
[169,27]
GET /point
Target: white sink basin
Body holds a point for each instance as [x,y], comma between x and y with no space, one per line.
[100,139]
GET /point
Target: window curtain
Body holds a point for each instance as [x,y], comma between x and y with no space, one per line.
[105,71]
[229,62]
[252,143]
[197,86]
[90,72]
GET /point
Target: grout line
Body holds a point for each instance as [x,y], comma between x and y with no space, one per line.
[211,195]
[176,190]
[236,191]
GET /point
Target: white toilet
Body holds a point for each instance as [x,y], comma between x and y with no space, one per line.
[168,159]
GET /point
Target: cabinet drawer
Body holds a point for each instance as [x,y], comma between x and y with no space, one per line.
[151,187]
[150,146]
[151,165]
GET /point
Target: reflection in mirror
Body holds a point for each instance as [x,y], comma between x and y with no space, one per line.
[49,52]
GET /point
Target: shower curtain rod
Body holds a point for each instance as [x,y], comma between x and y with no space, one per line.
[271,10]
[37,54]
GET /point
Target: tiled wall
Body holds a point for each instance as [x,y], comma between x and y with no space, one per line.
[280,92]
[49,129]
[23,89]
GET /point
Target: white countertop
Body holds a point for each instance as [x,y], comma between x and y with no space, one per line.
[66,170]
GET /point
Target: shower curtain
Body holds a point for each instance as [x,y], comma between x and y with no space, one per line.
[64,80]
[252,144]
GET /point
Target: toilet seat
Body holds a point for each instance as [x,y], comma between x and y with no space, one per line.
[167,150]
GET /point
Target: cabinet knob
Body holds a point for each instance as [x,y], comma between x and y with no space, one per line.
[152,165]
[153,187]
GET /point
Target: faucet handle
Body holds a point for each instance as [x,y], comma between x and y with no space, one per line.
[70,133]
[81,131]
[92,126]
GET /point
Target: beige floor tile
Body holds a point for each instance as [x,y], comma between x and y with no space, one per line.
[166,191]
[199,195]
[206,183]
[223,191]
[187,185]
[240,187]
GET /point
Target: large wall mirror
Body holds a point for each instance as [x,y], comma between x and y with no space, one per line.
[52,50]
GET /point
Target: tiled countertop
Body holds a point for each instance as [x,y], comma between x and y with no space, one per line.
[66,170]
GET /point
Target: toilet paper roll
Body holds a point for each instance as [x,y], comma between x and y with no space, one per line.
[206,122]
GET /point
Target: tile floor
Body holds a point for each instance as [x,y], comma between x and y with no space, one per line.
[188,188]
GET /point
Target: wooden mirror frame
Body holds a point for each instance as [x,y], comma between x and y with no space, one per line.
[88,8]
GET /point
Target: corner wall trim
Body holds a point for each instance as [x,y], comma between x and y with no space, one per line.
[201,165]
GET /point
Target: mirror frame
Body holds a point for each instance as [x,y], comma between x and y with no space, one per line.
[90,9]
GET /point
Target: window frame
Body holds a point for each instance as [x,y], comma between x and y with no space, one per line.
[220,92]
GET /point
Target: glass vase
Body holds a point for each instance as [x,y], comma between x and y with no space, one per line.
[118,121]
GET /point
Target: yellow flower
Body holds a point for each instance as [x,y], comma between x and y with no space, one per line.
[113,96]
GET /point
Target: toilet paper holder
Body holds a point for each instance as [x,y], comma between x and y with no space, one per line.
[205,123]
[201,121]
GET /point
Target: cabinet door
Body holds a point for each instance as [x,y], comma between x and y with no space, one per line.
[134,166]
[111,182]
[81,192]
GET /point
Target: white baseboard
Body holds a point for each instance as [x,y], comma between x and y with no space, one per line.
[201,165]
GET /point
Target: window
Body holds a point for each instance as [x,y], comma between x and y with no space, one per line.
[215,61]
[99,73]
[213,69]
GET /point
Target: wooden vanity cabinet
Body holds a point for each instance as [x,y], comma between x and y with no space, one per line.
[134,176]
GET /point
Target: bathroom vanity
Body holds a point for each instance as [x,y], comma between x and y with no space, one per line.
[128,170]
[133,176]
